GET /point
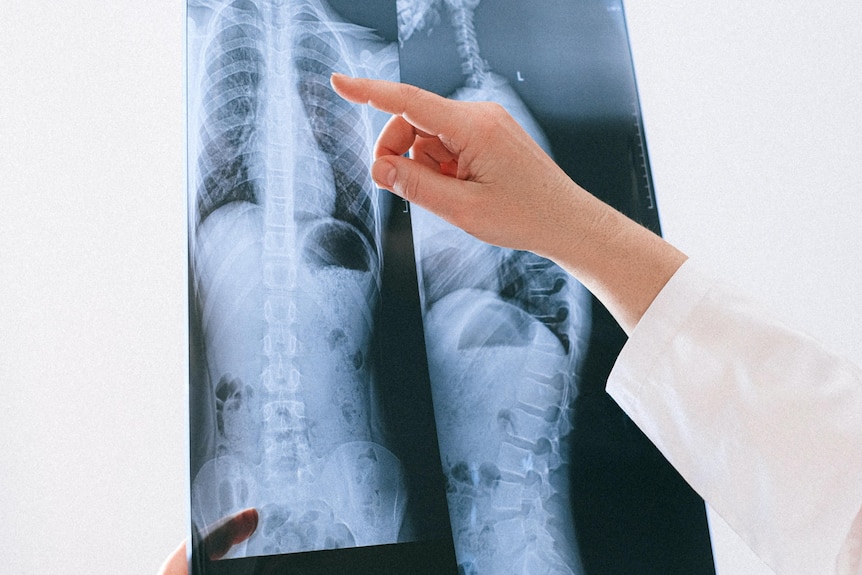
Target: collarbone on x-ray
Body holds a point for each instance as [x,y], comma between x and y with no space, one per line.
[286,263]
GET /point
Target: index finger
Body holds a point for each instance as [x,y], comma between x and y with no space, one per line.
[426,111]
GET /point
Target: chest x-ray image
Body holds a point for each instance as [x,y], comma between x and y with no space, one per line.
[285,259]
[391,394]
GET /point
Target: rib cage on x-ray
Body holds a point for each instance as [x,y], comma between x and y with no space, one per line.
[286,260]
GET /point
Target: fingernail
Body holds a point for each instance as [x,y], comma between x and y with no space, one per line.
[246,524]
[384,174]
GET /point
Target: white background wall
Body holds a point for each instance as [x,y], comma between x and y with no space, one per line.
[752,115]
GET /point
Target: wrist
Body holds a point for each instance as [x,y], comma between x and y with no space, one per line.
[622,263]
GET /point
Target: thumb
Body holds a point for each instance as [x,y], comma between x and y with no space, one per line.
[420,184]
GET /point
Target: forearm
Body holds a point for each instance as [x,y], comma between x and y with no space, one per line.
[622,263]
[761,420]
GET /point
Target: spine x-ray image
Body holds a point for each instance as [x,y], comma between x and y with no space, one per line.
[372,378]
[286,267]
[506,334]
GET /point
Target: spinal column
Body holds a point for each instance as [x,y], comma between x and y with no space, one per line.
[506,332]
[287,271]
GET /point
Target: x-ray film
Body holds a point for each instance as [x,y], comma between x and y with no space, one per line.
[392,395]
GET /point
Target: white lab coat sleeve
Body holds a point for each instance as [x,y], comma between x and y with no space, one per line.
[762,421]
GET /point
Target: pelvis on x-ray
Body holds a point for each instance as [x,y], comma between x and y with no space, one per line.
[286,232]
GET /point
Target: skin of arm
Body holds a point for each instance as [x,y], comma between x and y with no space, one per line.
[473,165]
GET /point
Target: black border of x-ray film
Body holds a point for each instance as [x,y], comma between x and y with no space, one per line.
[570,62]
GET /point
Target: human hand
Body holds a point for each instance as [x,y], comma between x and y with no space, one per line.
[217,542]
[474,166]
[470,163]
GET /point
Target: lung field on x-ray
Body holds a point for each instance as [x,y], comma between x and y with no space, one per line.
[286,255]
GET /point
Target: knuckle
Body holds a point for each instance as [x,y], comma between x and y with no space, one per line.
[496,109]
[489,120]
[492,112]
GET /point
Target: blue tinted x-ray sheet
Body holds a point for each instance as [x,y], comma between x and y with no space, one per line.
[392,396]
[511,339]
[303,403]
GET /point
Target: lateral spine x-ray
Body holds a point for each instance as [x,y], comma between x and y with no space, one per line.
[505,332]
